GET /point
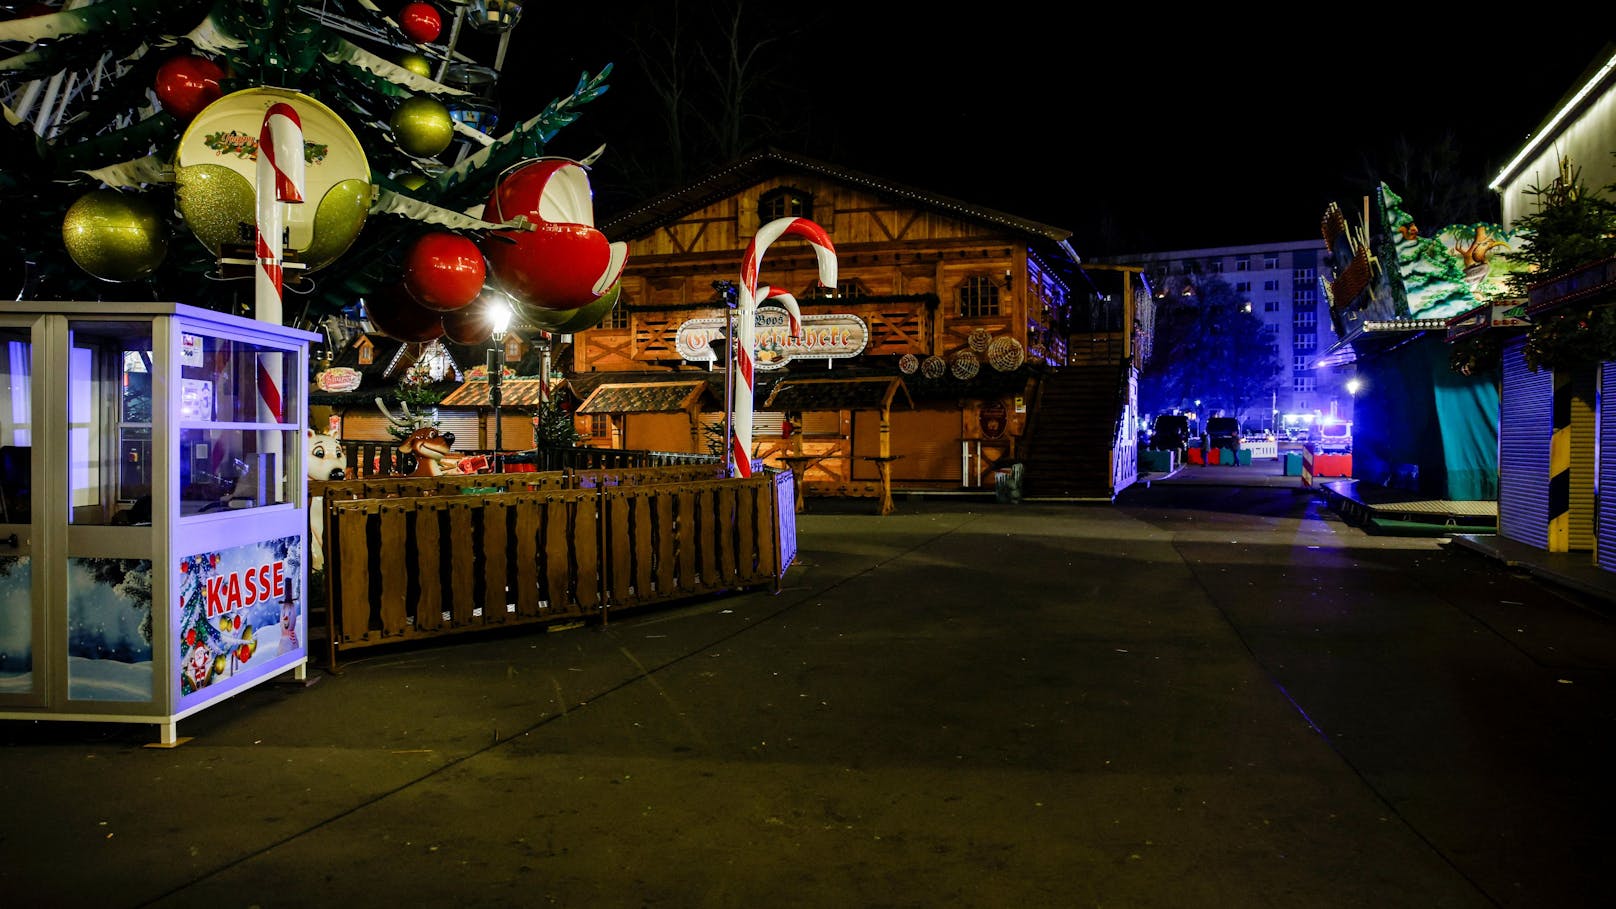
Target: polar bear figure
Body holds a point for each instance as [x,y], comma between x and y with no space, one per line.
[327,461]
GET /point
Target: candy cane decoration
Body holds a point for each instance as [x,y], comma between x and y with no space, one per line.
[279,180]
[746,322]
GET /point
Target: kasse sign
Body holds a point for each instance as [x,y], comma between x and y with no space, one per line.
[833,336]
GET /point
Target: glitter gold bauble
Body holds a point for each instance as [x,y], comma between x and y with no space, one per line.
[422,126]
[115,236]
[416,64]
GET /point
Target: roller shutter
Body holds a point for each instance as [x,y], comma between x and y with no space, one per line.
[1605,545]
[1525,426]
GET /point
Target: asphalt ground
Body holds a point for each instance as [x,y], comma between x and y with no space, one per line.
[1205,694]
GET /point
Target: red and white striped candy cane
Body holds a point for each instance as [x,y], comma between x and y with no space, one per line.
[746,322]
[279,180]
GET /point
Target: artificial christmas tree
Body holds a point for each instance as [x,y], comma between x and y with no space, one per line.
[148,98]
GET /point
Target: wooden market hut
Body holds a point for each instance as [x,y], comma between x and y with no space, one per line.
[968,307]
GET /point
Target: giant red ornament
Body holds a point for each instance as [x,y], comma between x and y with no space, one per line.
[420,21]
[444,271]
[468,325]
[187,83]
[396,314]
[564,262]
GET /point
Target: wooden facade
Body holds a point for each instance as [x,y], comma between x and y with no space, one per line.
[968,307]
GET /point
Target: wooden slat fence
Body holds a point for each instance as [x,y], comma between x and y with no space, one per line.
[410,558]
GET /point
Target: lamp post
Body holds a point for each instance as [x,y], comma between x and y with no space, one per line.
[501,317]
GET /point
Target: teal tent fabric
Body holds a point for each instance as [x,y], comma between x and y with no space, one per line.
[1421,427]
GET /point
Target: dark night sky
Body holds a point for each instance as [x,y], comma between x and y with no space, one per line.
[1134,131]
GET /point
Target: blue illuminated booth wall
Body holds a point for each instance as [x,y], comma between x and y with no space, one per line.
[1417,424]
[153,519]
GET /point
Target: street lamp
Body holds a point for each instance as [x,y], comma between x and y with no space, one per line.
[500,316]
[1353,385]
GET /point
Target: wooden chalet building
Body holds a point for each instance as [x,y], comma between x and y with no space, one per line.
[944,352]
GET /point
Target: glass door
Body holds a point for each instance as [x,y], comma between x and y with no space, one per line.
[108,624]
[21,612]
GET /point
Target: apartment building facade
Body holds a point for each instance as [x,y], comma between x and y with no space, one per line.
[1280,284]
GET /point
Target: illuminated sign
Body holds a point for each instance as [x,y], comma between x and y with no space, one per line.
[833,336]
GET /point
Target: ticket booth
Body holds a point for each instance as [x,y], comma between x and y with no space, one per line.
[153,510]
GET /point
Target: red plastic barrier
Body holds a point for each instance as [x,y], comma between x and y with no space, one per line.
[1332,465]
[1197,456]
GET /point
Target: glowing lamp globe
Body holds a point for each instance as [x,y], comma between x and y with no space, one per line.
[115,236]
[444,271]
[186,84]
[421,22]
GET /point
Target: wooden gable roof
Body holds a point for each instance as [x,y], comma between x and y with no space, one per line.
[658,212]
[648,397]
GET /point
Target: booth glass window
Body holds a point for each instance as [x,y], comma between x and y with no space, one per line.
[16,425]
[236,441]
[109,417]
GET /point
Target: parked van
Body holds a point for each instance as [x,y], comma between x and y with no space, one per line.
[1223,432]
[1171,433]
[1332,437]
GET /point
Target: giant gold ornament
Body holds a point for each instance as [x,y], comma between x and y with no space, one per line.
[115,236]
[216,169]
[422,126]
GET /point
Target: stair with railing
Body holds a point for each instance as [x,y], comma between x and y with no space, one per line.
[1072,431]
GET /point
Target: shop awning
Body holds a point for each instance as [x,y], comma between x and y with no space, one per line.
[799,395]
[512,393]
[650,397]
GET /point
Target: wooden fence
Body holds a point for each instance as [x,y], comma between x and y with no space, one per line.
[369,458]
[409,558]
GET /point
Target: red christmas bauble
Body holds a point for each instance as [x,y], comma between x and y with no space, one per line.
[444,271]
[396,314]
[560,262]
[421,21]
[187,83]
[468,325]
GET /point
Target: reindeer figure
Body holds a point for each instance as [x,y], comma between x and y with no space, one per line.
[430,451]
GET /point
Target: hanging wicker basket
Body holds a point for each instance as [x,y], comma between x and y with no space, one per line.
[979,339]
[933,367]
[908,363]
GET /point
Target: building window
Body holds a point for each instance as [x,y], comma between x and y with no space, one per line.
[1270,262]
[1271,284]
[1303,274]
[618,317]
[1302,383]
[1298,363]
[843,289]
[1215,266]
[600,425]
[1304,341]
[978,296]
[1305,297]
[784,202]
[1270,328]
[1270,306]
[1306,319]
[1242,265]
[1242,287]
